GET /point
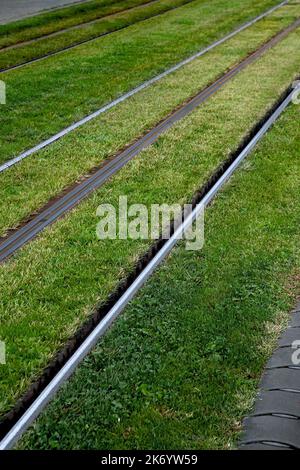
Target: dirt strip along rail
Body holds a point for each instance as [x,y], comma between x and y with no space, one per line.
[84,41]
[103,318]
[132,92]
[74,195]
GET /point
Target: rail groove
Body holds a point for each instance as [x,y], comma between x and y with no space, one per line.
[144,85]
[74,27]
[274,423]
[89,342]
[51,212]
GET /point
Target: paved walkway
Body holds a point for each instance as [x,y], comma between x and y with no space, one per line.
[11,10]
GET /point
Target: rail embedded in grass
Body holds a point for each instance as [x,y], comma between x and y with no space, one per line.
[44,176]
[143,3]
[49,391]
[73,271]
[75,195]
[132,92]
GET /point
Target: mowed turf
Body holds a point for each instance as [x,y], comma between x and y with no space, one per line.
[53,21]
[31,183]
[180,368]
[44,97]
[52,284]
[86,32]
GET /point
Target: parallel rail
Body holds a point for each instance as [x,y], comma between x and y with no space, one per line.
[274,423]
[84,41]
[50,390]
[74,27]
[76,194]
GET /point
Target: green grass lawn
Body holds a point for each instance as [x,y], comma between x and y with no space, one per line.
[44,97]
[52,284]
[58,42]
[53,21]
[26,186]
[180,368]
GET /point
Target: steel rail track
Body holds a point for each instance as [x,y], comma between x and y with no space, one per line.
[40,12]
[84,41]
[46,216]
[78,43]
[65,372]
[135,90]
[274,422]
[74,27]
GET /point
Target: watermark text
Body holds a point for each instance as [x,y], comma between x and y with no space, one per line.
[138,222]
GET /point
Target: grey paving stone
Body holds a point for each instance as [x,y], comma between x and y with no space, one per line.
[297,308]
[277,402]
[289,336]
[295,320]
[281,379]
[261,446]
[272,429]
[276,415]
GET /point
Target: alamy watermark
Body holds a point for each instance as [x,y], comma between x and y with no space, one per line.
[2,92]
[2,353]
[137,222]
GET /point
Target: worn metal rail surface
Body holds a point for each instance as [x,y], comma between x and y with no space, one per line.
[49,391]
[84,41]
[274,423]
[74,27]
[75,195]
[132,92]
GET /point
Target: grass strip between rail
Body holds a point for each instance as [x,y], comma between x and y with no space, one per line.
[43,175]
[50,287]
[180,368]
[45,97]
